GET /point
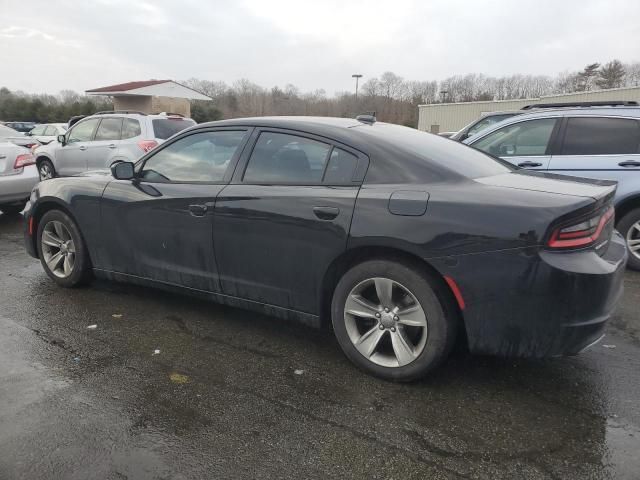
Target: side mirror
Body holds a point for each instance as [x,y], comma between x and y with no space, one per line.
[122,170]
[62,139]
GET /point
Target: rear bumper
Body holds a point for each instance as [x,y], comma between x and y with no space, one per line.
[539,304]
[16,188]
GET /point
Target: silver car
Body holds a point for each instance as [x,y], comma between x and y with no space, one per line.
[18,176]
[95,142]
[47,132]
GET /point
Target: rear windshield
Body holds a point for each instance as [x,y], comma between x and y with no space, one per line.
[163,128]
[450,154]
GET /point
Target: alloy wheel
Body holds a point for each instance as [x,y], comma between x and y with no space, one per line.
[385,322]
[633,239]
[58,249]
[45,171]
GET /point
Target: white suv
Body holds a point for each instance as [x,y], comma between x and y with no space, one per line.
[95,142]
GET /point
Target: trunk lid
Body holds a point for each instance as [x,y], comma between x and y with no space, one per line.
[599,190]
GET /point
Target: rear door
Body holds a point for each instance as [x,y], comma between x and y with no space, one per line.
[104,147]
[526,143]
[600,147]
[285,217]
[71,158]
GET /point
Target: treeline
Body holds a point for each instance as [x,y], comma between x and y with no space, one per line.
[18,106]
[393,98]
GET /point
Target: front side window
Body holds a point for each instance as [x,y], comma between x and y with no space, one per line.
[201,157]
[109,129]
[601,136]
[519,139]
[83,131]
[50,131]
[284,158]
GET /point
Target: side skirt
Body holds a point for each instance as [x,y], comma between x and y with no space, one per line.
[266,309]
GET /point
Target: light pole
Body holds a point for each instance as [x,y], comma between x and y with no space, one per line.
[357,76]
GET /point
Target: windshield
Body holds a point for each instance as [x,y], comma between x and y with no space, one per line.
[163,128]
[8,132]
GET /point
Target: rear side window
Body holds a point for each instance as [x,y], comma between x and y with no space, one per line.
[50,131]
[201,157]
[341,167]
[83,131]
[163,128]
[601,136]
[519,139]
[130,128]
[39,130]
[283,158]
[109,129]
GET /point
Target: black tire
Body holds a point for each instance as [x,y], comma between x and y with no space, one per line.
[13,209]
[46,165]
[81,271]
[440,312]
[625,226]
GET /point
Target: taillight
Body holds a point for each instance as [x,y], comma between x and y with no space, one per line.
[147,145]
[23,160]
[581,234]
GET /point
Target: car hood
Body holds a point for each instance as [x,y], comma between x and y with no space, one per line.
[552,183]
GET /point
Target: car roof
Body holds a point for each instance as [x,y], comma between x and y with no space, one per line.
[580,111]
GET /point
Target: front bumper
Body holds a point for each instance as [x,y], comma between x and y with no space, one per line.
[29,229]
[524,303]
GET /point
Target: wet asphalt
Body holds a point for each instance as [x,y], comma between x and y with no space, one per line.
[233,394]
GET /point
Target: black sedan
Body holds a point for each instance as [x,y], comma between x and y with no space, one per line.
[403,240]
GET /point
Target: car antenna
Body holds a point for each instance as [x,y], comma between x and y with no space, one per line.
[367,117]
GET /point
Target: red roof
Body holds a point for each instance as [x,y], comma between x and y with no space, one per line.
[123,87]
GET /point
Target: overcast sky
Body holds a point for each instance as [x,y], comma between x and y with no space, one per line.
[48,46]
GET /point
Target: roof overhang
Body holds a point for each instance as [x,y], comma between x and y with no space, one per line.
[165,89]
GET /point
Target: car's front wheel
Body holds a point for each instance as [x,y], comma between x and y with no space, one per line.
[46,169]
[392,320]
[629,227]
[62,250]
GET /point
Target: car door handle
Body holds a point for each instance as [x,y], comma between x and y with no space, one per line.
[2,157]
[198,210]
[529,163]
[629,163]
[111,146]
[82,147]
[326,213]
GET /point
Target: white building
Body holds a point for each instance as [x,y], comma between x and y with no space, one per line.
[451,117]
[151,96]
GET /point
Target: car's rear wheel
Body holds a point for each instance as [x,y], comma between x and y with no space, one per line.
[392,320]
[62,250]
[13,209]
[46,169]
[629,227]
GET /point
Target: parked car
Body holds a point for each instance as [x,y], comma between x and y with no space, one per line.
[485,121]
[489,119]
[406,240]
[22,127]
[8,134]
[593,142]
[48,132]
[96,141]
[18,176]
[447,134]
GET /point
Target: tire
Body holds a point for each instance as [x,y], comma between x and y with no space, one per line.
[390,359]
[58,226]
[13,209]
[630,233]
[46,170]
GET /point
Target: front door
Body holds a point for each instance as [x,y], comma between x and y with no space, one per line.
[71,158]
[525,144]
[284,218]
[159,226]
